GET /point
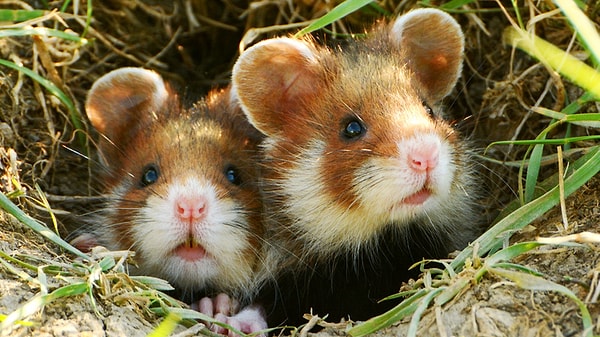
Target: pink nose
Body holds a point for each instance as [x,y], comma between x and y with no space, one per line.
[190,208]
[425,157]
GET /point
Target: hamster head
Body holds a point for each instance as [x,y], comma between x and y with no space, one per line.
[181,183]
[355,143]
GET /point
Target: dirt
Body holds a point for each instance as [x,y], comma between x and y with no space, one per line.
[194,43]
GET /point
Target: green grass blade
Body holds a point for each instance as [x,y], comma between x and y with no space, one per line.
[588,120]
[64,6]
[18,262]
[23,275]
[42,31]
[404,309]
[577,104]
[533,170]
[515,5]
[67,291]
[340,11]
[88,18]
[452,290]
[518,267]
[18,15]
[106,263]
[565,64]
[423,304]
[11,208]
[402,294]
[547,159]
[153,282]
[511,252]
[188,314]
[583,26]
[588,166]
[558,141]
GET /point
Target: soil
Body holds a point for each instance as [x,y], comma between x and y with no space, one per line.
[194,43]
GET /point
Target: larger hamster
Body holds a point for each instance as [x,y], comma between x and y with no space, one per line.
[180,183]
[362,175]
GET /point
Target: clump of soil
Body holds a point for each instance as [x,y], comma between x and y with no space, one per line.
[194,43]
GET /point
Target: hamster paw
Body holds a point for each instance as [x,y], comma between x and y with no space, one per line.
[250,319]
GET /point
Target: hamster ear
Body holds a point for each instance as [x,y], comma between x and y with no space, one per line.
[432,43]
[273,79]
[123,98]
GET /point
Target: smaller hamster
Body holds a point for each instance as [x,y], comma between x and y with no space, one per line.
[361,174]
[180,183]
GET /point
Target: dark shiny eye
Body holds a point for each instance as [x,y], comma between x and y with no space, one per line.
[232,175]
[150,175]
[353,129]
[429,110]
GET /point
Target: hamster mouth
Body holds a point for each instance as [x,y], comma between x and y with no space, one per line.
[417,198]
[190,251]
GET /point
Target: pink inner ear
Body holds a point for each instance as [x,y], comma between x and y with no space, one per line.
[432,43]
[122,97]
[131,101]
[439,62]
[273,80]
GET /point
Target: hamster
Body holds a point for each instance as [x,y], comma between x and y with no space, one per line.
[361,175]
[180,183]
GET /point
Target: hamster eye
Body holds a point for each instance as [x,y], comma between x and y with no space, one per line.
[150,175]
[353,129]
[428,109]
[232,175]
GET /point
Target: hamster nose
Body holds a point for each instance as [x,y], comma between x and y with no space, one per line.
[190,208]
[424,158]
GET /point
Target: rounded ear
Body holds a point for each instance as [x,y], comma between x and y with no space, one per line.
[273,79]
[433,44]
[123,98]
